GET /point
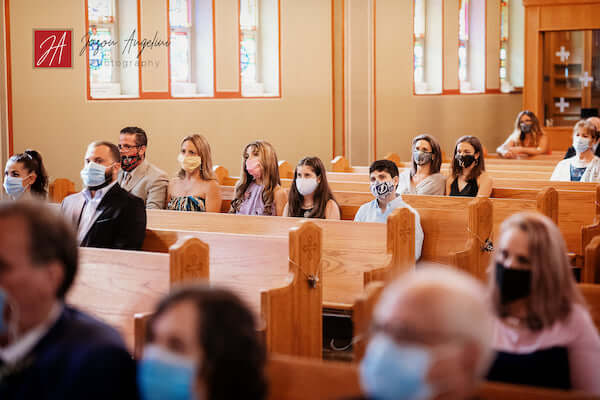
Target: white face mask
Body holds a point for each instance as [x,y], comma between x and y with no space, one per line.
[580,144]
[306,186]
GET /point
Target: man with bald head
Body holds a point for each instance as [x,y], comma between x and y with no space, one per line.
[105,214]
[431,337]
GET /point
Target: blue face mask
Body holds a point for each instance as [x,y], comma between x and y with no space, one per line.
[14,186]
[580,144]
[164,375]
[389,371]
[94,175]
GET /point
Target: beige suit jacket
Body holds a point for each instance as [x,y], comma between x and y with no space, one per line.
[148,183]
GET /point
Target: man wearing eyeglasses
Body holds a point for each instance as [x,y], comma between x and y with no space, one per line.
[137,175]
[430,337]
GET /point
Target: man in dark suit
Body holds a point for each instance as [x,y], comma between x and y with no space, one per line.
[49,350]
[105,215]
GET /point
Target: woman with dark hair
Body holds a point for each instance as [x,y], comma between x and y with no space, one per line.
[203,344]
[424,177]
[468,177]
[25,176]
[543,333]
[310,195]
[527,139]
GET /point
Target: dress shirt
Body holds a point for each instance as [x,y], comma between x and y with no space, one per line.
[90,212]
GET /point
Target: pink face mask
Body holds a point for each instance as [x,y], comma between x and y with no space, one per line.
[253,167]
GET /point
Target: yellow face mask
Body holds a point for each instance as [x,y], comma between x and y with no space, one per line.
[189,163]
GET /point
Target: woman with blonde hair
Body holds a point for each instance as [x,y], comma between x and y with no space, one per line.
[195,188]
[527,138]
[584,166]
[544,333]
[259,191]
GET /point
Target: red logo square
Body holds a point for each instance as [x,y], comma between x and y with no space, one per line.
[52,49]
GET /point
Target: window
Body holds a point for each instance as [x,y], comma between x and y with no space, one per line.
[471,46]
[191,50]
[427,50]
[113,73]
[511,45]
[259,47]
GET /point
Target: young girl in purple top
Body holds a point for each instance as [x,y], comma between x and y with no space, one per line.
[259,191]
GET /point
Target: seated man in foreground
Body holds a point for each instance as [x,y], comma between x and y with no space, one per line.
[431,337]
[49,350]
[384,182]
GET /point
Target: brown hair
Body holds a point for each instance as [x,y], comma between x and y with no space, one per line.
[322,193]
[536,130]
[234,358]
[589,128]
[479,163]
[270,166]
[51,237]
[32,162]
[436,154]
[203,149]
[553,287]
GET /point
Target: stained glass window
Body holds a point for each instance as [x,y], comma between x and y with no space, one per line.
[248,44]
[180,21]
[463,41]
[101,36]
[504,36]
[419,44]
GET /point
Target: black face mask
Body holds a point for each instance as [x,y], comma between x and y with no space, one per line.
[514,284]
[525,127]
[465,160]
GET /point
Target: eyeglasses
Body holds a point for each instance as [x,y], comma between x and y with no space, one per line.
[126,147]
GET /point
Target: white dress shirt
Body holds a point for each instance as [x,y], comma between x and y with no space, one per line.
[90,212]
[22,346]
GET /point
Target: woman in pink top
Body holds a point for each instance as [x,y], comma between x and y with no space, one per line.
[539,308]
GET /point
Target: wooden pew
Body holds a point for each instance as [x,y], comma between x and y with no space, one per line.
[59,189]
[350,249]
[293,378]
[115,285]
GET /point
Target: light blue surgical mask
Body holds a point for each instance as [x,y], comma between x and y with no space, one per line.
[163,375]
[14,186]
[382,189]
[391,372]
[93,174]
[580,144]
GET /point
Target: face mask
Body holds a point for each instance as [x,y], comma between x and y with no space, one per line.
[94,176]
[465,160]
[164,375]
[253,168]
[514,284]
[580,144]
[3,305]
[306,186]
[189,163]
[421,157]
[14,186]
[390,371]
[525,127]
[382,189]
[129,163]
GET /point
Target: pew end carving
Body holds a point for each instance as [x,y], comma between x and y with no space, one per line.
[140,330]
[188,260]
[293,313]
[547,203]
[340,164]
[362,311]
[395,158]
[475,258]
[59,189]
[400,244]
[286,171]
[591,267]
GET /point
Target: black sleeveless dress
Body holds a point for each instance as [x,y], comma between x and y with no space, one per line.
[470,189]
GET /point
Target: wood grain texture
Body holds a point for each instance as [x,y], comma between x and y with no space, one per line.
[362,313]
[591,269]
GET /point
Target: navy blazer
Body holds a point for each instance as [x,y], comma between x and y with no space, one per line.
[120,225]
[78,358]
